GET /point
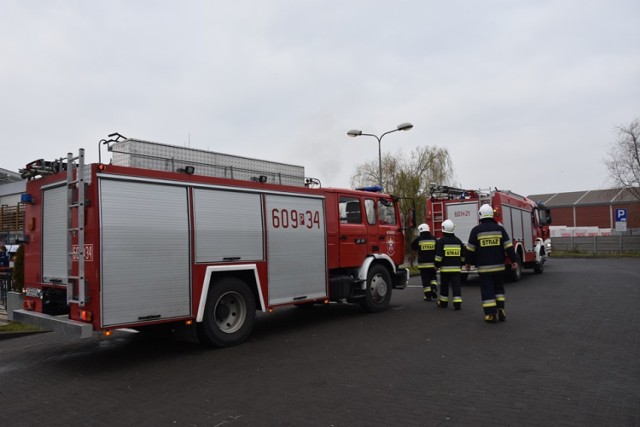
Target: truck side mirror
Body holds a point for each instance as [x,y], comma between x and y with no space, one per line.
[411,218]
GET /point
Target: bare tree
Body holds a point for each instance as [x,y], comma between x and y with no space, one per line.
[408,177]
[623,161]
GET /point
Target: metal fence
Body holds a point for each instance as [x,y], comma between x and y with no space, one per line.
[5,286]
[605,245]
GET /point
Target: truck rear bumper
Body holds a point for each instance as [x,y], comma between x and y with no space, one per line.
[60,324]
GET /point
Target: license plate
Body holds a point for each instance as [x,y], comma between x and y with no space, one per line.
[33,292]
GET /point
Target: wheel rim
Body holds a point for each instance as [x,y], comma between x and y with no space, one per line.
[378,288]
[230,312]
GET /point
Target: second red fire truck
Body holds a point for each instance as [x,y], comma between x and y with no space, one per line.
[526,221]
[110,246]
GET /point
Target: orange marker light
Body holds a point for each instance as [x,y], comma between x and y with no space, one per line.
[86,316]
[108,333]
[188,322]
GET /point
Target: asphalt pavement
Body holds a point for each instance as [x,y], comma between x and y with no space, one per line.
[566,356]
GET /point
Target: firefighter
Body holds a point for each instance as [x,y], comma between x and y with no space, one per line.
[425,244]
[4,257]
[450,256]
[486,247]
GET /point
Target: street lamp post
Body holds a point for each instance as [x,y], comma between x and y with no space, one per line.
[356,132]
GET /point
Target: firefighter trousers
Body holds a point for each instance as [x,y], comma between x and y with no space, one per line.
[492,291]
[453,280]
[429,283]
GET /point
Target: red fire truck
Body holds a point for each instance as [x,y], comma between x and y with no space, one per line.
[110,246]
[526,221]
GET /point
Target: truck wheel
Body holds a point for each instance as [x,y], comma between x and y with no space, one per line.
[516,275]
[229,314]
[538,267]
[378,292]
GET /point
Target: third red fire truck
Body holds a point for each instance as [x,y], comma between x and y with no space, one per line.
[526,221]
[109,246]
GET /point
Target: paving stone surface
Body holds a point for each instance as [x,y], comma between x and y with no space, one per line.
[566,356]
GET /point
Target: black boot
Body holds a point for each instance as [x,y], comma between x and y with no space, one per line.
[457,305]
[434,292]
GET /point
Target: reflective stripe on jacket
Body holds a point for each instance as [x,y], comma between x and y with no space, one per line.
[450,253]
[425,244]
[487,245]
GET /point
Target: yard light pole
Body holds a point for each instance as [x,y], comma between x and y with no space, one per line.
[356,132]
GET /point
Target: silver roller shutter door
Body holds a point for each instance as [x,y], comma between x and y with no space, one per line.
[54,234]
[145,252]
[228,226]
[296,254]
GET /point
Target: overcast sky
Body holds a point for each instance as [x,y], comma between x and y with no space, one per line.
[525,95]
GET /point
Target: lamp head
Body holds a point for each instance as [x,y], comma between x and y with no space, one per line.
[354,132]
[405,126]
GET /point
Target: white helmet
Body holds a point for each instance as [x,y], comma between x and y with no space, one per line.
[423,227]
[448,226]
[486,211]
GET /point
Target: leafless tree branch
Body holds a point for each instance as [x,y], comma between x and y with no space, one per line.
[623,160]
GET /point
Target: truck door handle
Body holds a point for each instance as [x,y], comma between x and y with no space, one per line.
[343,237]
[380,237]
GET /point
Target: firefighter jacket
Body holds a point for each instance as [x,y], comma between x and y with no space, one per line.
[425,244]
[4,258]
[450,253]
[487,245]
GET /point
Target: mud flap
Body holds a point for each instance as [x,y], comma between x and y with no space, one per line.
[401,278]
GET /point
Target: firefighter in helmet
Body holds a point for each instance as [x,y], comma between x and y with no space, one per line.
[425,244]
[488,242]
[450,256]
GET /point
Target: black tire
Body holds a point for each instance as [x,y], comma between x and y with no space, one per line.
[538,267]
[378,292]
[229,314]
[516,274]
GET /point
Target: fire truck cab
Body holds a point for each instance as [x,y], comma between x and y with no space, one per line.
[110,246]
[526,221]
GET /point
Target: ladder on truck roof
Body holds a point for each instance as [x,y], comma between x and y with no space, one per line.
[43,168]
[440,193]
[437,215]
[76,187]
[485,196]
